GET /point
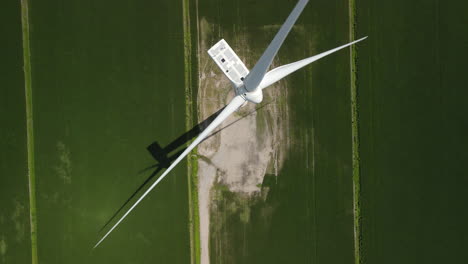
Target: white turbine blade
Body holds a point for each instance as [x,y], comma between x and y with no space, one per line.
[279,73]
[255,76]
[235,103]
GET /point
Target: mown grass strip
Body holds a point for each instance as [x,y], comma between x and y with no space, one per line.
[190,119]
[355,135]
[193,175]
[29,128]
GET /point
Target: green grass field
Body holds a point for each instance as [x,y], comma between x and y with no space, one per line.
[412,92]
[15,228]
[98,101]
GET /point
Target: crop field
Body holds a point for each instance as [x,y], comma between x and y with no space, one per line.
[412,93]
[363,151]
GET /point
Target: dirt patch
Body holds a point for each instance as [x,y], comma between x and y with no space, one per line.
[250,144]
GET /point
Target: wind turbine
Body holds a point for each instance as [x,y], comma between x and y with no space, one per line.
[247,85]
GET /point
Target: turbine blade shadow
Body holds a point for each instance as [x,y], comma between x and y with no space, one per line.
[192,133]
[158,169]
[239,119]
[131,197]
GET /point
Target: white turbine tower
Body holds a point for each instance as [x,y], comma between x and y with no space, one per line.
[247,85]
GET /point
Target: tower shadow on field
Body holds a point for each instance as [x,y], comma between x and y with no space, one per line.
[164,158]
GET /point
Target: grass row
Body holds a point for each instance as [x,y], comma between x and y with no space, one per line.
[190,119]
[195,218]
[29,128]
[355,135]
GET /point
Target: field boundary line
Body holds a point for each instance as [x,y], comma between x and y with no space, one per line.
[355,134]
[190,120]
[29,129]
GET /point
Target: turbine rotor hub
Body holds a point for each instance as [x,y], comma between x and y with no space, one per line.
[255,96]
